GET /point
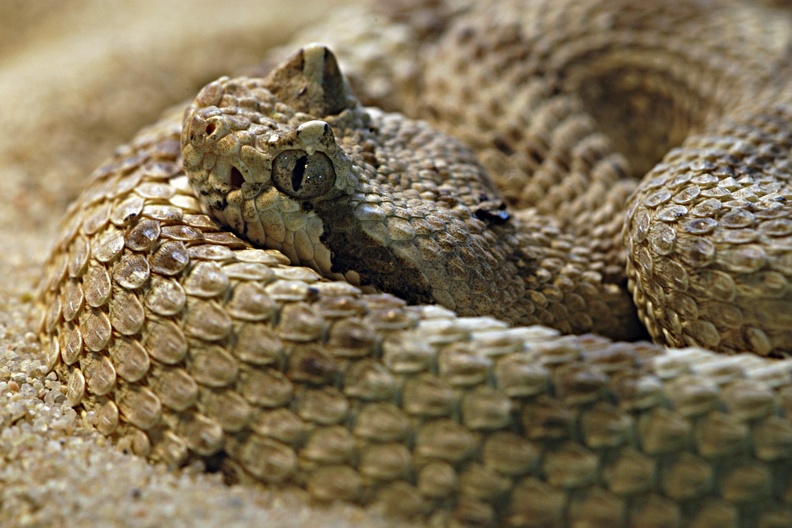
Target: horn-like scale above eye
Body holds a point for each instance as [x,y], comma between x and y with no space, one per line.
[301,175]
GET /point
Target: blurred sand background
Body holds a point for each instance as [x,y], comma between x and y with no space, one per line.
[78,78]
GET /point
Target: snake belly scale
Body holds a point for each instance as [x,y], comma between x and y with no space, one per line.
[304,291]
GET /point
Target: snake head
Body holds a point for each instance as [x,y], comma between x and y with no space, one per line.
[293,162]
[259,151]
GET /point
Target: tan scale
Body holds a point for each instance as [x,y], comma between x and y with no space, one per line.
[187,342]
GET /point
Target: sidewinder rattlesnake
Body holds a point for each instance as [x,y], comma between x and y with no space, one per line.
[182,340]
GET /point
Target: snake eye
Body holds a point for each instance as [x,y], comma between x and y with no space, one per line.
[302,175]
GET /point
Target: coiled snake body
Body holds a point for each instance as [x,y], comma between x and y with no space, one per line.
[183,340]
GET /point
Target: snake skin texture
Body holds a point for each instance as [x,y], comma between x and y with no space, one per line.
[183,341]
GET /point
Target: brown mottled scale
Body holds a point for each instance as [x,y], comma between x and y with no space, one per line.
[564,100]
[185,342]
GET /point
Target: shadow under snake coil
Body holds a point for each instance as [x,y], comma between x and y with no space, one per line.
[180,306]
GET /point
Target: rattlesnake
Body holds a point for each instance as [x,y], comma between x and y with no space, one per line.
[183,341]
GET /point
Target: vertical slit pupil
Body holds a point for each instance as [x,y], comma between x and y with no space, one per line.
[298,172]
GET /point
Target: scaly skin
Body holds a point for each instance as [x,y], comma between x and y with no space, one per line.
[562,100]
[186,342]
[386,203]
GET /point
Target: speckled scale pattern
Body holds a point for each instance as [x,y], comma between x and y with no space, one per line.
[181,341]
[711,235]
[693,84]
[606,91]
[410,211]
[359,397]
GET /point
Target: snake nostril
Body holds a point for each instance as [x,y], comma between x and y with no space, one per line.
[210,128]
[236,178]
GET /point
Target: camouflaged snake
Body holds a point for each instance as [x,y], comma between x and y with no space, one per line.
[184,341]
